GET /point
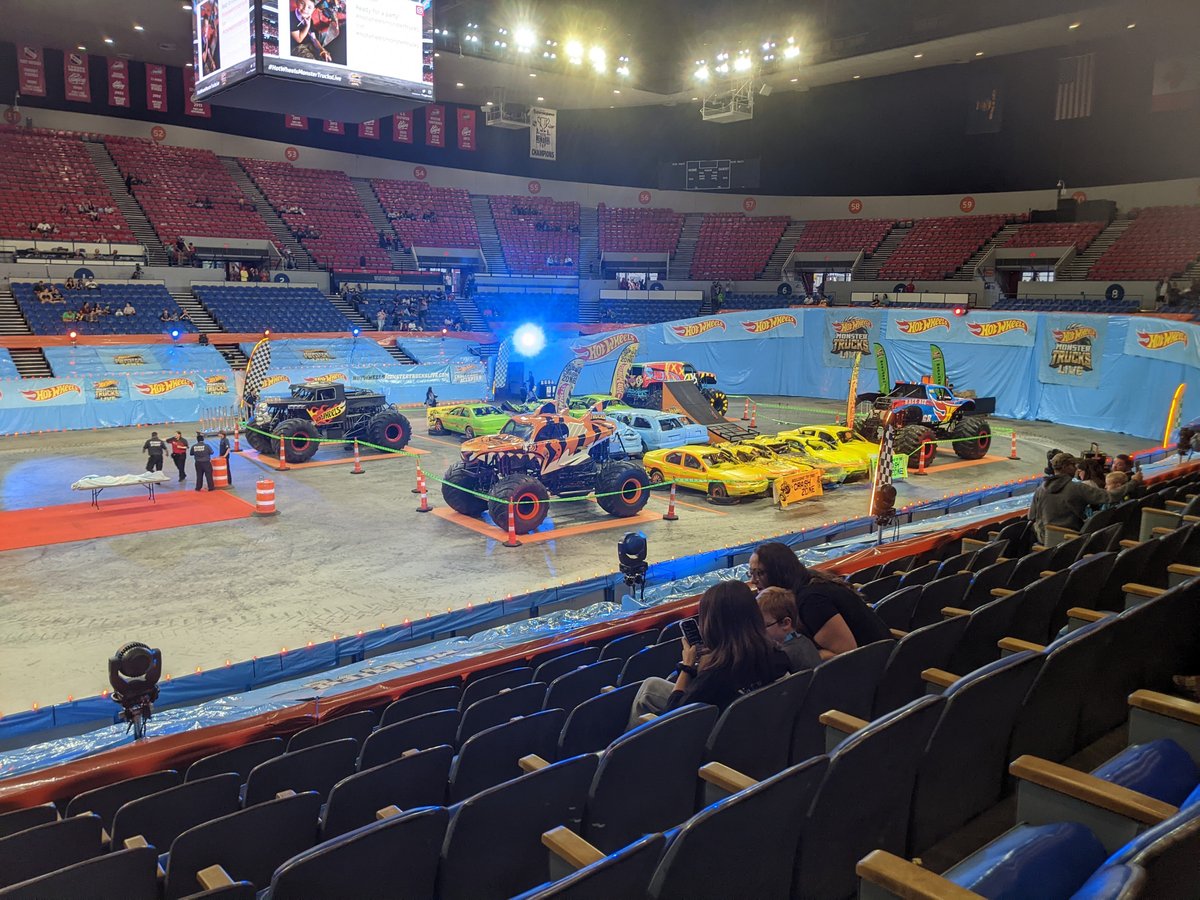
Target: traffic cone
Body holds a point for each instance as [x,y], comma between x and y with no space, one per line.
[237,437]
[282,454]
[921,458]
[746,410]
[1013,453]
[420,481]
[754,416]
[424,507]
[669,515]
[358,469]
[512,527]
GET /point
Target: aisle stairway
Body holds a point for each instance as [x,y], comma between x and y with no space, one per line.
[233,355]
[266,212]
[200,315]
[787,243]
[489,239]
[12,320]
[31,362]
[350,311]
[589,242]
[589,310]
[681,264]
[400,259]
[143,231]
[396,353]
[472,317]
[966,272]
[868,270]
[1077,269]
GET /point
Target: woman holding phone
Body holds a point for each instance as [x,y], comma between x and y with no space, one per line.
[733,656]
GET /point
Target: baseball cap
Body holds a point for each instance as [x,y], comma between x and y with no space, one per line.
[1062,460]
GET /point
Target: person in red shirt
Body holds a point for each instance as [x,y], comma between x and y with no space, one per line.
[179,452]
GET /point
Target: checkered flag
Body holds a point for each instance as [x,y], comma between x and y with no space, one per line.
[883,469]
[256,370]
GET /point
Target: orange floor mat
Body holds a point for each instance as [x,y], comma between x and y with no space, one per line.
[119,513]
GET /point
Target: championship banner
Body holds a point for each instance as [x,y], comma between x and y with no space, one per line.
[331,127]
[118,82]
[848,335]
[1072,350]
[31,71]
[621,372]
[298,122]
[734,327]
[1164,339]
[543,133]
[466,129]
[402,128]
[191,106]
[156,88]
[435,125]
[75,77]
[369,129]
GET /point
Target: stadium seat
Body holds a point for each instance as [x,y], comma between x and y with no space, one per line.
[251,309]
[985,627]
[625,873]
[418,733]
[422,215]
[935,248]
[46,848]
[625,646]
[490,685]
[843,235]
[657,660]
[239,760]
[148,300]
[596,723]
[564,663]
[129,874]
[638,230]
[567,691]
[105,801]
[537,234]
[493,756]
[355,725]
[315,769]
[735,246]
[924,648]
[415,704]
[753,734]
[947,590]
[161,817]
[20,819]
[500,708]
[407,782]
[846,682]
[896,609]
[1160,243]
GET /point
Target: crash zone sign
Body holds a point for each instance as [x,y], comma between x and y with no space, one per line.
[793,488]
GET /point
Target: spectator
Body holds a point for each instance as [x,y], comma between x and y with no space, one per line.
[128,309]
[779,614]
[244,275]
[1116,483]
[832,614]
[381,318]
[736,656]
[69,284]
[1062,500]
[179,451]
[430,397]
[165,316]
[90,283]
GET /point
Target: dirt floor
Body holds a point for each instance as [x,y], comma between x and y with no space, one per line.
[349,552]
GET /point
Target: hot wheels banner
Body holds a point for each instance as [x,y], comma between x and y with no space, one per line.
[733,327]
[982,328]
[1072,350]
[849,334]
[1165,340]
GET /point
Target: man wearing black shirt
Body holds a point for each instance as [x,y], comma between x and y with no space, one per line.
[156,449]
[202,454]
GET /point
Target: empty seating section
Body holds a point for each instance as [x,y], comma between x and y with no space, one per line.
[148,302]
[639,230]
[47,179]
[538,235]
[427,216]
[755,301]
[1056,234]
[737,246]
[174,179]
[843,235]
[878,755]
[245,310]
[322,209]
[935,248]
[538,307]
[1161,243]
[1060,304]
[648,311]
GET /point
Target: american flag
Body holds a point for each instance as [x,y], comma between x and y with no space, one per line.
[256,370]
[1075,77]
[883,469]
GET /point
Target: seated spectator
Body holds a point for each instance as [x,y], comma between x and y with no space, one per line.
[129,309]
[832,614]
[778,608]
[183,317]
[69,315]
[90,283]
[165,316]
[1063,500]
[567,261]
[69,284]
[736,656]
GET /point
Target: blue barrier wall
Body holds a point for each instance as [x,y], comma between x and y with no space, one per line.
[89,359]
[8,369]
[296,353]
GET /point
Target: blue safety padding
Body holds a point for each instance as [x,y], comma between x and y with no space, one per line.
[1044,861]
[1160,769]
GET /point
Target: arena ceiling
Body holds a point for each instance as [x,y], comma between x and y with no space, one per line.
[664,40]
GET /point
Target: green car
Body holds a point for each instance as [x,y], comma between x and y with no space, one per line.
[469,419]
[584,402]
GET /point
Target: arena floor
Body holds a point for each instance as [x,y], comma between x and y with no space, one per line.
[346,553]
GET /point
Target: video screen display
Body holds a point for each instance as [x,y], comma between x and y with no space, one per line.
[223,51]
[382,46]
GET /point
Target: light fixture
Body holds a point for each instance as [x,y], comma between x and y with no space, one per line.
[791,51]
[1074,25]
[524,37]
[186,7]
[598,59]
[615,91]
[489,103]
[574,52]
[979,53]
[918,55]
[138,28]
[108,40]
[1131,25]
[533,74]
[741,64]
[189,65]
[623,70]
[856,77]
[794,80]
[458,84]
[541,99]
[81,47]
[701,74]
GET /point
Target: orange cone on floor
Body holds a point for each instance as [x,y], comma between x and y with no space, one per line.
[746,410]
[424,507]
[669,515]
[512,527]
[282,454]
[358,469]
[1013,453]
[754,416]
[921,451]
[264,498]
[237,437]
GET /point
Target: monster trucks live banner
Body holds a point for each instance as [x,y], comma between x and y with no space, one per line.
[1072,350]
[850,333]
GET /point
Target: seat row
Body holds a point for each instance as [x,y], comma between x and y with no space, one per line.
[734,245]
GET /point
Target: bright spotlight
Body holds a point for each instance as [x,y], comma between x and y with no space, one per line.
[702,73]
[529,339]
[356,331]
[175,334]
[791,51]
[524,37]
[598,59]
[741,64]
[574,51]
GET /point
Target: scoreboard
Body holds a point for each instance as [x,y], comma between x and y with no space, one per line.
[709,175]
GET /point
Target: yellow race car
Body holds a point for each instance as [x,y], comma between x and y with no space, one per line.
[837,445]
[795,451]
[706,469]
[771,465]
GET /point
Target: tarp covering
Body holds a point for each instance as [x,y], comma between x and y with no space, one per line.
[90,359]
[297,353]
[8,369]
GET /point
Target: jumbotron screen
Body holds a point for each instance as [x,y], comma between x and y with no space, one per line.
[377,46]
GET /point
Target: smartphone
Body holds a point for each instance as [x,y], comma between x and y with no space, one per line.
[691,631]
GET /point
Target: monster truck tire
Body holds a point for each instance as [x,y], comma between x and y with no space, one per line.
[467,504]
[913,440]
[530,502]
[437,427]
[260,442]
[720,402]
[626,485]
[972,427]
[299,438]
[389,429]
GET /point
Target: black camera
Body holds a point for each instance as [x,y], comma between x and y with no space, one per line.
[631,557]
[133,672]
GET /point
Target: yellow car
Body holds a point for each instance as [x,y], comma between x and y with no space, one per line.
[837,444]
[770,464]
[795,451]
[705,469]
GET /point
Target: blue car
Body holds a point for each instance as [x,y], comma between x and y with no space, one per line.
[659,430]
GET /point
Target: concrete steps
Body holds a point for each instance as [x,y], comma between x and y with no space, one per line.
[350,311]
[783,249]
[689,235]
[966,272]
[1077,269]
[489,239]
[12,320]
[233,355]
[869,269]
[266,212]
[400,259]
[31,362]
[201,317]
[139,224]
[589,242]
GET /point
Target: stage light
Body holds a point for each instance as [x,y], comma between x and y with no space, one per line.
[791,52]
[73,335]
[741,64]
[133,672]
[574,51]
[702,73]
[529,340]
[960,310]
[174,334]
[524,37]
[266,332]
[356,331]
[723,68]
[623,70]
[598,59]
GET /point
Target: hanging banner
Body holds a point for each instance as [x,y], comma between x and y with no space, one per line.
[331,127]
[543,133]
[190,105]
[466,129]
[156,88]
[118,82]
[852,393]
[402,128]
[1163,339]
[369,129]
[1005,329]
[75,77]
[882,370]
[1072,350]
[848,334]
[300,123]
[733,327]
[31,71]
[435,125]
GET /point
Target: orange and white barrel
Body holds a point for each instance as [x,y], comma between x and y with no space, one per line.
[220,466]
[264,498]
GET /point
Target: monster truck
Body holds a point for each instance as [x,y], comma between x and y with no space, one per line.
[924,414]
[330,411]
[643,385]
[539,454]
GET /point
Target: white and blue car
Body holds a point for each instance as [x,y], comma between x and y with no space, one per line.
[659,430]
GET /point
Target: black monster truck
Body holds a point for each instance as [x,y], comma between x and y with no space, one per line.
[924,414]
[536,455]
[330,411]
